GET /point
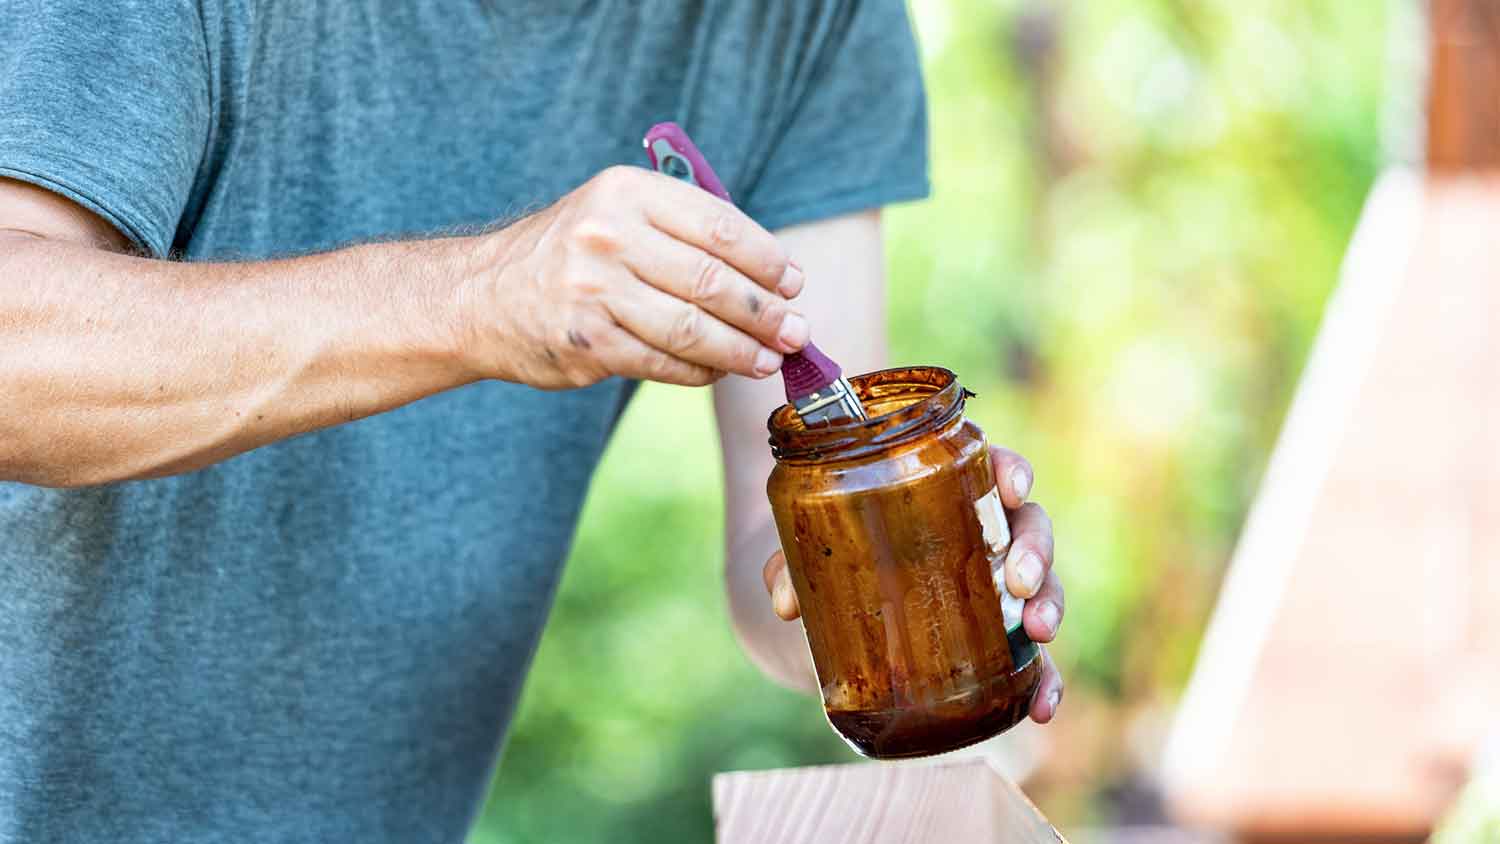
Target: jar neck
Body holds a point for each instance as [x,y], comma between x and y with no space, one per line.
[904,404]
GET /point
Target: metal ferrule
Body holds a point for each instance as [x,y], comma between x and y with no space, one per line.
[835,403]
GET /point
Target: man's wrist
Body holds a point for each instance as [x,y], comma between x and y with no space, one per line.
[463,305]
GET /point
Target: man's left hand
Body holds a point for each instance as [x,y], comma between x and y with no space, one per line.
[1028,573]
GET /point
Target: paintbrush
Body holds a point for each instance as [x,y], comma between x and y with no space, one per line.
[815,385]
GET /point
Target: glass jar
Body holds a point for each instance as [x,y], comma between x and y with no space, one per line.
[894,536]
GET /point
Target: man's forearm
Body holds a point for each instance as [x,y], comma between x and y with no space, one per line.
[778,648]
[114,367]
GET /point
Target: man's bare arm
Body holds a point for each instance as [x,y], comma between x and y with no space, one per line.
[115,367]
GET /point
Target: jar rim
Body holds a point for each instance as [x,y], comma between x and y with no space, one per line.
[936,398]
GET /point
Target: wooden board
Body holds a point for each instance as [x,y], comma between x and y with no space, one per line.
[876,803]
[1354,657]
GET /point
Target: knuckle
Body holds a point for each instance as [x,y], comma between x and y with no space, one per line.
[1032,512]
[776,266]
[772,312]
[736,356]
[597,234]
[582,286]
[744,355]
[615,178]
[724,230]
[686,331]
[708,282]
[582,278]
[1004,460]
[657,366]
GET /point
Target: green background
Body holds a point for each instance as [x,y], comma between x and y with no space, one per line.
[1140,208]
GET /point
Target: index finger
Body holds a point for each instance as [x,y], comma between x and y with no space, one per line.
[1013,476]
[692,215]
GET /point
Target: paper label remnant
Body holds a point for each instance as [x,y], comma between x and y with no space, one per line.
[997,537]
[992,519]
[1010,605]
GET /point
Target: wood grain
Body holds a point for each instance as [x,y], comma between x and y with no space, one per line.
[876,803]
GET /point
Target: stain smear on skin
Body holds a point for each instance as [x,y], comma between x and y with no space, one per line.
[754,303]
[551,355]
[578,340]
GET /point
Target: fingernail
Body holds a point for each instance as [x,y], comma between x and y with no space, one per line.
[1054,697]
[767,361]
[793,331]
[791,282]
[785,599]
[1020,481]
[1029,574]
[1051,616]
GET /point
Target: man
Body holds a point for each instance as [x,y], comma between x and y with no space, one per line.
[282,519]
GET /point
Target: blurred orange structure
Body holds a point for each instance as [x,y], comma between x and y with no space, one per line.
[1353,661]
[1463,127]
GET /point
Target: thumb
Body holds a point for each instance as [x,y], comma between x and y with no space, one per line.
[778,580]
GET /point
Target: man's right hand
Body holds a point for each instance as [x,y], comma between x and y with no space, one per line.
[125,367]
[633,274]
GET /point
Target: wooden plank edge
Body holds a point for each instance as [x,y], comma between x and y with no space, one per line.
[1378,258]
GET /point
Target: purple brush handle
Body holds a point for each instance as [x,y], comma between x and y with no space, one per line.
[672,135]
[804,372]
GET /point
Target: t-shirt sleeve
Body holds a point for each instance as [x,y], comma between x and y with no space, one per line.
[855,136]
[106,103]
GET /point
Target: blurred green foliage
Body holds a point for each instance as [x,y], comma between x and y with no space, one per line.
[1140,207]
[1475,817]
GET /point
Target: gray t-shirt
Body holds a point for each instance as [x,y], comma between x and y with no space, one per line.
[324,639]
